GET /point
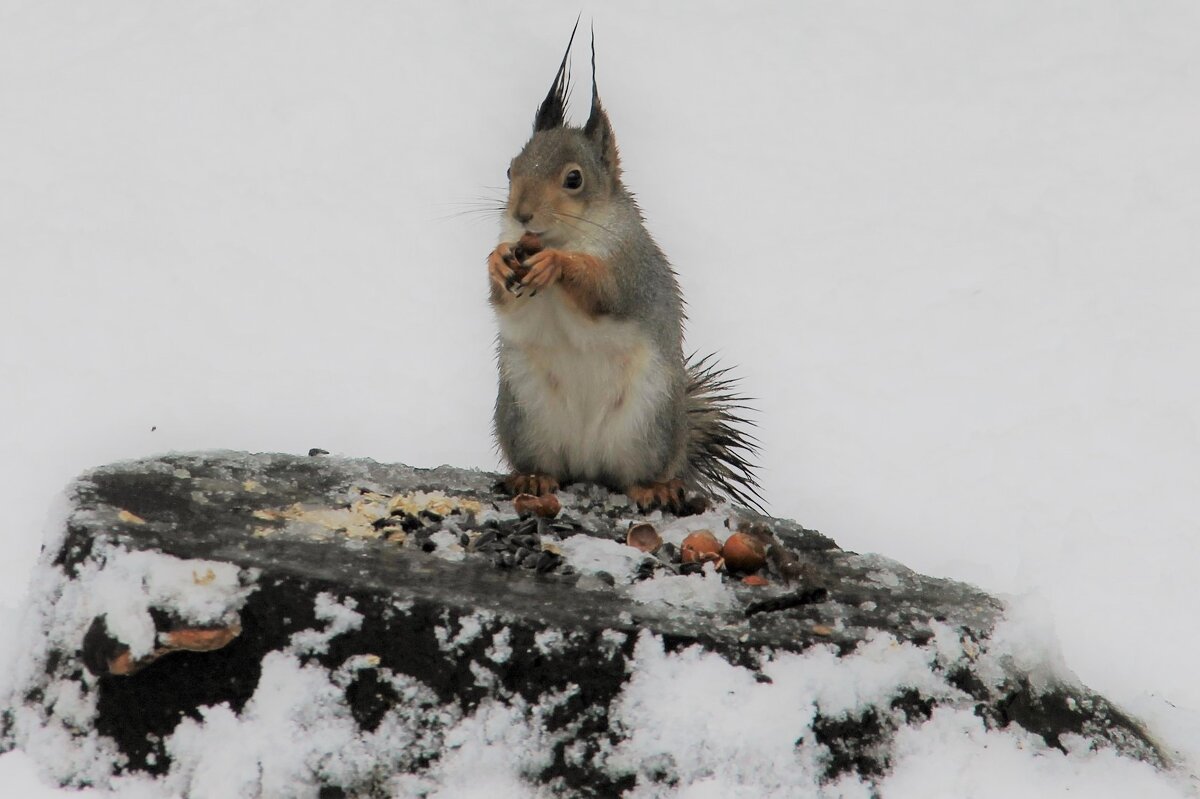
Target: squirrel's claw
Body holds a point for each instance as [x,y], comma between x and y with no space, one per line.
[667,495]
[501,263]
[536,484]
[545,268]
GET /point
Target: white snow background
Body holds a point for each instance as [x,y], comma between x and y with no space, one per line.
[953,249]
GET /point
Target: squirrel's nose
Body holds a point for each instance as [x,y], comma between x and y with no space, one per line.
[523,216]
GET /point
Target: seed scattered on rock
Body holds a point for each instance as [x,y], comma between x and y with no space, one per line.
[755,580]
[130,518]
[485,538]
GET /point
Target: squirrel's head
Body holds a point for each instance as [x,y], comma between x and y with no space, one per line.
[562,181]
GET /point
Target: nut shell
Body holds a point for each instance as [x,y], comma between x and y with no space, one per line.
[643,537]
[744,552]
[700,546]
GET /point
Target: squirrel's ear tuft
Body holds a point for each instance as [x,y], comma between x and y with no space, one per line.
[598,128]
[553,110]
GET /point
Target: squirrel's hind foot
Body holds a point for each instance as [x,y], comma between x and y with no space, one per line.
[667,495]
[536,484]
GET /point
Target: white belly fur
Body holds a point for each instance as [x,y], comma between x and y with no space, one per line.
[588,387]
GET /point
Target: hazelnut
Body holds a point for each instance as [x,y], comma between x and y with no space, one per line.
[547,505]
[755,579]
[529,244]
[744,552]
[700,546]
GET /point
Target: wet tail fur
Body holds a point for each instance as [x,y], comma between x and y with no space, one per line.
[720,452]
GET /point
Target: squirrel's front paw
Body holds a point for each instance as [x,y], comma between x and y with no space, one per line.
[502,267]
[545,269]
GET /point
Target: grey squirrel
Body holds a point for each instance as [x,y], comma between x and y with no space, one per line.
[593,382]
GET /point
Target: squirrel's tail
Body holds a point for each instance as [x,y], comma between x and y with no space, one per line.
[719,451]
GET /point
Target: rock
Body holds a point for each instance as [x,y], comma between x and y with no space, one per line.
[373,618]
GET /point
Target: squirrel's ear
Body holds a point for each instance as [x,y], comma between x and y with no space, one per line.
[598,128]
[552,112]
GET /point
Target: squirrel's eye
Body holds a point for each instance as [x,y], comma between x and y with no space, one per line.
[509,173]
[573,180]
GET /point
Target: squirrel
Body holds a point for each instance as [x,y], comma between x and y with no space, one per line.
[593,382]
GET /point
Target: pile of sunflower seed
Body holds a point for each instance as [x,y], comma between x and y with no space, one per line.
[525,543]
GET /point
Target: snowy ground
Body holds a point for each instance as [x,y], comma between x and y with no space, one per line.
[951,247]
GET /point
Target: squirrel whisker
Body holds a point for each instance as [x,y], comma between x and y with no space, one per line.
[560,214]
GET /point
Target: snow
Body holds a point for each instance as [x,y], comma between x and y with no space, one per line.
[501,649]
[705,592]
[470,627]
[121,587]
[341,617]
[488,754]
[590,555]
[716,729]
[295,726]
[717,521]
[950,247]
[448,546]
[953,755]
[128,584]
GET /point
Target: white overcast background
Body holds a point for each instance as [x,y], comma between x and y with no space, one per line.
[952,249]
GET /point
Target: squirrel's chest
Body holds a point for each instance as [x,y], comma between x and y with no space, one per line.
[569,353]
[588,385]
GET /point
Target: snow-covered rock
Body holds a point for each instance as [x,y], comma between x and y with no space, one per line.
[226,624]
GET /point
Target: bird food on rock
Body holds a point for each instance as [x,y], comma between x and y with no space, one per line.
[546,506]
[700,546]
[744,552]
